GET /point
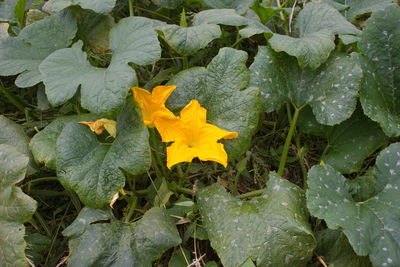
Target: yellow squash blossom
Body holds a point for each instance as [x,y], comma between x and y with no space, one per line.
[153,102]
[99,126]
[192,136]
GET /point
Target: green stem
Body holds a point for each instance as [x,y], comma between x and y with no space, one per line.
[158,163]
[184,190]
[286,146]
[13,99]
[181,175]
[131,209]
[185,62]
[44,179]
[42,223]
[301,160]
[252,194]
[131,11]
[235,183]
[75,200]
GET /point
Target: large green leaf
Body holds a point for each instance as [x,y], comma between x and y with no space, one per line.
[219,88]
[349,143]
[96,238]
[371,225]
[330,90]
[188,40]
[272,230]
[240,5]
[15,207]
[99,6]
[102,90]
[14,135]
[92,168]
[23,54]
[219,16]
[43,144]
[380,90]
[317,23]
[335,248]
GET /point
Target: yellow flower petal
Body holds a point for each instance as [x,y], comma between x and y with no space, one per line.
[151,103]
[192,136]
[179,152]
[99,126]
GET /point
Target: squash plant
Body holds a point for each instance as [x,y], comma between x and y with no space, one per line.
[199,133]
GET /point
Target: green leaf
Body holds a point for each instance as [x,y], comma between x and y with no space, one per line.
[317,23]
[103,91]
[272,230]
[178,259]
[188,40]
[99,6]
[219,88]
[16,208]
[96,238]
[38,246]
[360,7]
[219,16]
[371,225]
[23,54]
[330,90]
[241,6]
[254,25]
[380,90]
[12,10]
[169,4]
[14,135]
[349,143]
[43,144]
[336,250]
[92,168]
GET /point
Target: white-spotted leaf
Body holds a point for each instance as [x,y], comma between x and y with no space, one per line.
[272,230]
[98,239]
[317,23]
[380,90]
[370,225]
[330,90]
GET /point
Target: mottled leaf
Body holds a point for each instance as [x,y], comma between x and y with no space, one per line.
[219,88]
[12,10]
[23,54]
[349,143]
[92,168]
[14,135]
[43,144]
[317,23]
[99,6]
[380,90]
[330,90]
[336,250]
[96,238]
[219,16]
[371,225]
[16,208]
[103,91]
[272,230]
[188,40]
